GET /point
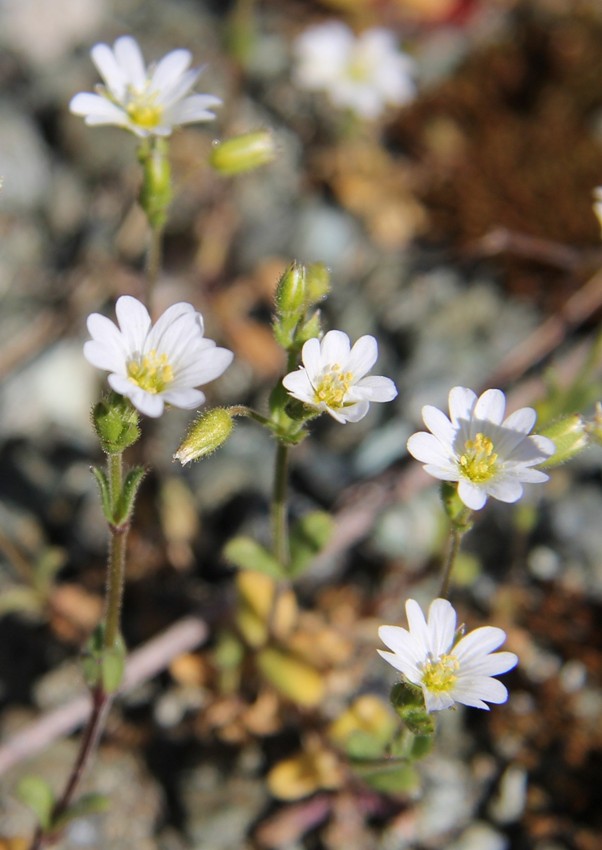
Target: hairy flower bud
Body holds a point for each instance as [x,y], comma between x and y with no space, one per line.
[243,153]
[569,436]
[207,434]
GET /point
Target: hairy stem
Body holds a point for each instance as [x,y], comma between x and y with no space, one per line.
[116,561]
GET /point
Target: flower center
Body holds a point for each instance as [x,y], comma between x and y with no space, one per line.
[151,373]
[359,70]
[479,461]
[439,676]
[143,109]
[333,386]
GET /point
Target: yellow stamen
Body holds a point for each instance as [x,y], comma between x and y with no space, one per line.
[440,676]
[333,387]
[152,372]
[143,109]
[478,463]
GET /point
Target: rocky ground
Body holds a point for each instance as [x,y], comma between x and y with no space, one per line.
[459,232]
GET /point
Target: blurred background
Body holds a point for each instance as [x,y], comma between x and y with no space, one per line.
[459,231]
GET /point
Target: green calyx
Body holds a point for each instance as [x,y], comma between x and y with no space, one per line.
[116,422]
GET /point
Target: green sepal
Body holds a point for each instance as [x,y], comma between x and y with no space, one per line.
[388,777]
[459,515]
[317,283]
[155,192]
[310,329]
[116,422]
[89,804]
[570,438]
[105,494]
[308,538]
[408,702]
[246,554]
[37,795]
[127,497]
[102,666]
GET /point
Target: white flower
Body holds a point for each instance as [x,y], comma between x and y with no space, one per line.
[332,377]
[146,101]
[447,669]
[363,73]
[486,454]
[155,365]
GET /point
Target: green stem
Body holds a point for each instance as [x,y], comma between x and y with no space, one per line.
[154,258]
[456,534]
[280,541]
[116,561]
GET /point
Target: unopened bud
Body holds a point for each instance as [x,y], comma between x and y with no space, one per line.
[318,283]
[594,427]
[207,434]
[155,194]
[243,153]
[291,290]
[569,436]
[116,423]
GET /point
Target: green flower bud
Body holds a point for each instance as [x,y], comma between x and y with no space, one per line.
[408,702]
[569,436]
[116,422]
[243,153]
[318,283]
[291,291]
[594,428]
[206,434]
[155,194]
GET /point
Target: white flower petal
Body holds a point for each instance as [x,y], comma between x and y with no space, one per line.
[521,420]
[461,403]
[185,398]
[350,412]
[97,109]
[442,473]
[311,356]
[491,407]
[480,688]
[427,449]
[134,322]
[473,496]
[150,404]
[197,107]
[129,58]
[505,489]
[335,348]
[375,388]
[439,425]
[299,386]
[170,69]
[362,356]
[441,626]
[109,69]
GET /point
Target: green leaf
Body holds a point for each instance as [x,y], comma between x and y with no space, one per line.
[364,745]
[308,537]
[21,599]
[37,794]
[246,554]
[89,804]
[393,777]
[127,497]
[105,495]
[103,665]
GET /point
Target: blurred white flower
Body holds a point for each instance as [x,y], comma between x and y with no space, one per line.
[332,378]
[486,454]
[155,365]
[448,669]
[364,73]
[147,101]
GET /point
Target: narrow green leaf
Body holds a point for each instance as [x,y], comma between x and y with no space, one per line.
[131,485]
[37,794]
[105,495]
[392,777]
[246,554]
[89,804]
[308,537]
